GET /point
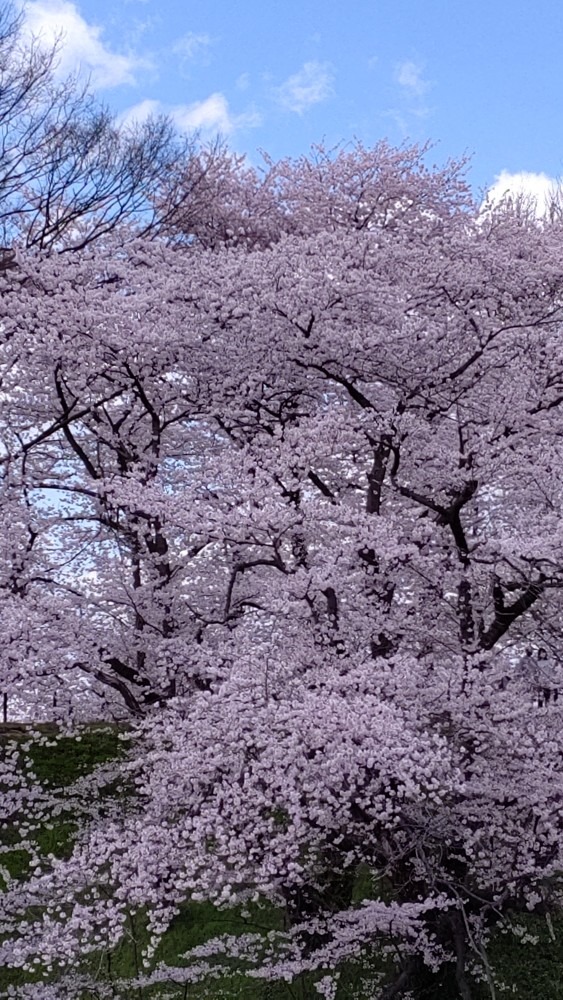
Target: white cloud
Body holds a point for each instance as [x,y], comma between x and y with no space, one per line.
[311,85]
[81,47]
[213,115]
[538,192]
[408,75]
[209,116]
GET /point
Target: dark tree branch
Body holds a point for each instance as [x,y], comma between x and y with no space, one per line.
[324,489]
[505,616]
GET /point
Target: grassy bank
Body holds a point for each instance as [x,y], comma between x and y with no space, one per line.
[531,968]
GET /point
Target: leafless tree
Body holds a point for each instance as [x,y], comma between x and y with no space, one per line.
[69,173]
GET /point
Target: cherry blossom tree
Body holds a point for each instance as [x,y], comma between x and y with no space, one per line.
[285,491]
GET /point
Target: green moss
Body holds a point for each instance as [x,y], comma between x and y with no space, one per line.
[67,758]
[17,863]
[57,839]
[530,969]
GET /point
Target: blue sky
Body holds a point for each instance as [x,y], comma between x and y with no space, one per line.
[473,77]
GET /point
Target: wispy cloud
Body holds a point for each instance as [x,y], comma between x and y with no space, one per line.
[408,75]
[193,47]
[311,85]
[411,93]
[242,82]
[81,45]
[210,116]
